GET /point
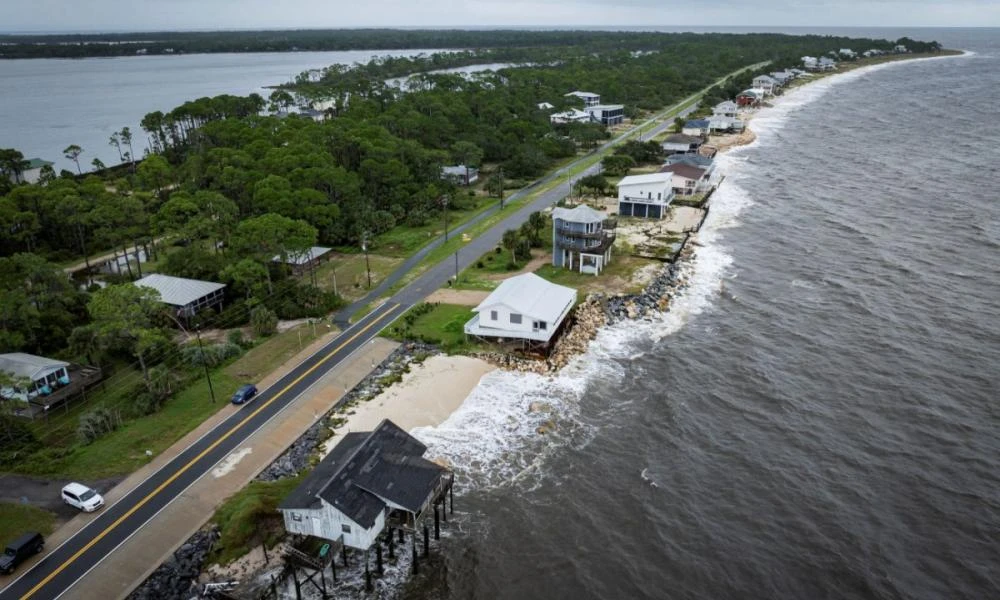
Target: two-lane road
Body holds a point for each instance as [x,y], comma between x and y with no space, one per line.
[61,568]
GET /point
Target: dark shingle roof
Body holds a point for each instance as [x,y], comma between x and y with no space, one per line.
[680,138]
[684,170]
[696,160]
[367,469]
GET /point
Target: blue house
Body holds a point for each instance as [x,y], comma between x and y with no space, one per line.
[581,239]
[697,127]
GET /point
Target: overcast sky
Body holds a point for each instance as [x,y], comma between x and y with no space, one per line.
[135,15]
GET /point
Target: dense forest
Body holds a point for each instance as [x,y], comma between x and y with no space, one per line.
[228,183]
[127,44]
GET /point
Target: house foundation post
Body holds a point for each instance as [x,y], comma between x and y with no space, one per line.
[451,495]
[298,586]
[416,569]
[427,542]
[378,558]
[368,575]
[343,552]
[392,542]
[437,523]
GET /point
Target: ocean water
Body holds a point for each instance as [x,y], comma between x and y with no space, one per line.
[816,417]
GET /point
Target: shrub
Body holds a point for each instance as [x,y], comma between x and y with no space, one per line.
[264,321]
[97,423]
[236,337]
[213,355]
[480,265]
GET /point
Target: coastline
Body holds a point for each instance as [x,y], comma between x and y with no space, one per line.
[436,399]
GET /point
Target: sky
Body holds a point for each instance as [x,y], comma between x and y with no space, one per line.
[152,15]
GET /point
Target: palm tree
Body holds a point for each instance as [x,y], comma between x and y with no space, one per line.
[509,242]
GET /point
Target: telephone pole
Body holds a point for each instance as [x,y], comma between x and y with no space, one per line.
[364,248]
[501,188]
[204,363]
[444,207]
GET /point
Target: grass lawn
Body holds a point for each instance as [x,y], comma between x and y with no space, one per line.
[124,450]
[441,324]
[351,274]
[16,519]
[615,279]
[250,517]
[402,241]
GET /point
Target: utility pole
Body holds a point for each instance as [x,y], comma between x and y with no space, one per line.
[444,206]
[204,363]
[368,267]
[501,187]
[456,267]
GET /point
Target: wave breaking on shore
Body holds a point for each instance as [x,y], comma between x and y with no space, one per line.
[512,421]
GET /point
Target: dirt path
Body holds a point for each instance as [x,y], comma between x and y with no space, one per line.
[460,297]
[530,267]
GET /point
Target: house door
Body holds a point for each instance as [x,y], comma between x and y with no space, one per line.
[317,527]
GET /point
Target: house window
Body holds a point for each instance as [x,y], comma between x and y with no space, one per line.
[296,517]
[515,319]
[541,325]
[345,528]
[493,315]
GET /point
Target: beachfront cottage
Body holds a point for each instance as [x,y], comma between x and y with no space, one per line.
[525,309]
[704,163]
[572,115]
[645,196]
[187,296]
[581,239]
[607,114]
[749,98]
[31,172]
[370,480]
[900,49]
[679,143]
[300,262]
[810,62]
[687,180]
[765,83]
[847,53]
[721,124]
[589,99]
[725,109]
[826,64]
[696,127]
[41,383]
[460,174]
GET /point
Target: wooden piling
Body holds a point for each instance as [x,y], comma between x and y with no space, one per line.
[437,523]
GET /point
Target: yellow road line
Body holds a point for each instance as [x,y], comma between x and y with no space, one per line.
[194,460]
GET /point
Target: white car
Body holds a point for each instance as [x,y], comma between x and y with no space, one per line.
[82,497]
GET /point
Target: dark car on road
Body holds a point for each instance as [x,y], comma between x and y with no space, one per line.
[245,393]
[19,550]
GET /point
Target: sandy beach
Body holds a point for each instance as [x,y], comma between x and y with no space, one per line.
[425,397]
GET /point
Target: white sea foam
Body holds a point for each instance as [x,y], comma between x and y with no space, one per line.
[493,440]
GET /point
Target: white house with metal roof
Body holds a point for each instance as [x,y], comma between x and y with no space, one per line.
[727,108]
[42,373]
[300,261]
[188,296]
[647,196]
[766,83]
[589,99]
[525,307]
[32,171]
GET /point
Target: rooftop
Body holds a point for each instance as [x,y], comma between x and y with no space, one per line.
[532,296]
[644,179]
[579,94]
[38,163]
[179,291]
[367,469]
[681,138]
[684,170]
[21,364]
[301,258]
[579,214]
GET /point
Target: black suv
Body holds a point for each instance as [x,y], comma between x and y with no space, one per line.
[19,550]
